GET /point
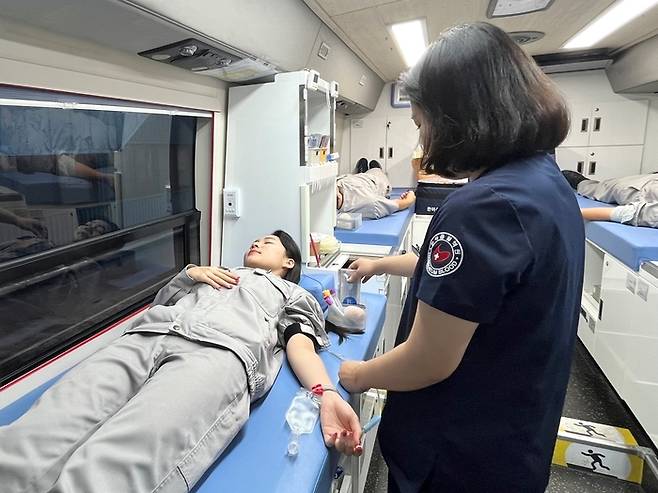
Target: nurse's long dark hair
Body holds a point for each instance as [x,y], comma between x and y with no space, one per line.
[484,102]
[295,274]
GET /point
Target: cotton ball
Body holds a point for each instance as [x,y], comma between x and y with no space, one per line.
[328,244]
[355,315]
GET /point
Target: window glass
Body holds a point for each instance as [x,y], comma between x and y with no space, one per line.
[96,213]
[68,175]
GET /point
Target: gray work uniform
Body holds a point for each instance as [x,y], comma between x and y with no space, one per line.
[154,409]
[636,196]
[367,193]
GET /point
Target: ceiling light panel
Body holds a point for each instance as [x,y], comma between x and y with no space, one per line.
[411,39]
[507,8]
[620,13]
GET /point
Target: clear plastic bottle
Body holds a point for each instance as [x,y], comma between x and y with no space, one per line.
[301,417]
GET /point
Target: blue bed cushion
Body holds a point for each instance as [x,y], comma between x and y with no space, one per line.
[631,245]
[586,203]
[315,283]
[387,231]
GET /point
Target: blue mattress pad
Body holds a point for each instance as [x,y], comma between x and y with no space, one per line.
[631,245]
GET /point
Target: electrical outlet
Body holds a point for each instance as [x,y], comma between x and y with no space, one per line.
[231,203]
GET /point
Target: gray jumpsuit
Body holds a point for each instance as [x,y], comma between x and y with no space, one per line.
[366,193]
[153,410]
[636,196]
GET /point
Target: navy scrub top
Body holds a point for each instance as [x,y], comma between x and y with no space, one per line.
[505,251]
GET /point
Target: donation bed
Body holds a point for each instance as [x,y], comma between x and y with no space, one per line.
[387,231]
[631,245]
[256,460]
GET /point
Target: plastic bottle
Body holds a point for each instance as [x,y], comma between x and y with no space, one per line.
[301,418]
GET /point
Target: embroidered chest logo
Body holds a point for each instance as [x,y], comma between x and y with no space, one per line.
[444,255]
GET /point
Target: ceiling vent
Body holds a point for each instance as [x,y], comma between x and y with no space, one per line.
[509,8]
[347,107]
[575,61]
[191,54]
[324,50]
[526,37]
[202,58]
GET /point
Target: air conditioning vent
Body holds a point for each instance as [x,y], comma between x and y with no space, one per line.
[526,37]
[324,50]
[575,61]
[192,54]
[202,58]
[347,107]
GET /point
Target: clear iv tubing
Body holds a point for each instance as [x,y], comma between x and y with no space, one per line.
[293,445]
[339,356]
[374,421]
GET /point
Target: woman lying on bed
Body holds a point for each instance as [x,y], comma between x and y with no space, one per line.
[155,409]
[636,198]
[367,192]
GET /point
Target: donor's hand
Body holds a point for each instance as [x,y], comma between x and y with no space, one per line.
[214,276]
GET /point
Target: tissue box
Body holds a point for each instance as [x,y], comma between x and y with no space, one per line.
[349,220]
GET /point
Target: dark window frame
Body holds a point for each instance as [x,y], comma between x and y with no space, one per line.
[187,222]
[21,271]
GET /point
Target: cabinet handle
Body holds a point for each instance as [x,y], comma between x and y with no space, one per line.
[592,167]
[597,124]
[584,124]
[390,152]
[381,153]
[581,165]
[600,309]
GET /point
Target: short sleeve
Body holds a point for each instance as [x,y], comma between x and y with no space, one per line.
[476,253]
[303,309]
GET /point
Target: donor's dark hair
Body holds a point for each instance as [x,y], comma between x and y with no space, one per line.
[484,102]
[293,252]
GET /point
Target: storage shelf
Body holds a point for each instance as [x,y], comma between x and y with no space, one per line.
[319,172]
[590,305]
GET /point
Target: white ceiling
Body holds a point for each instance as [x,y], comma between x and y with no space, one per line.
[363,24]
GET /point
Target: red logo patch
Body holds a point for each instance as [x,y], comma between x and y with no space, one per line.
[439,257]
[444,255]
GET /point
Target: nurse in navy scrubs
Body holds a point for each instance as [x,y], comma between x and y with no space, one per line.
[478,376]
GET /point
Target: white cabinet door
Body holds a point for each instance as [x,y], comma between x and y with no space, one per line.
[580,125]
[368,140]
[618,123]
[613,162]
[572,158]
[626,346]
[401,140]
[616,317]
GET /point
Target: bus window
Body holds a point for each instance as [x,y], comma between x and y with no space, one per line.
[96,212]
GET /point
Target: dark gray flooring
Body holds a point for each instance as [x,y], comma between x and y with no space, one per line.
[589,397]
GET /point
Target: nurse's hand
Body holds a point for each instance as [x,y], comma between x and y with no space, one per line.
[349,376]
[214,276]
[340,425]
[363,269]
